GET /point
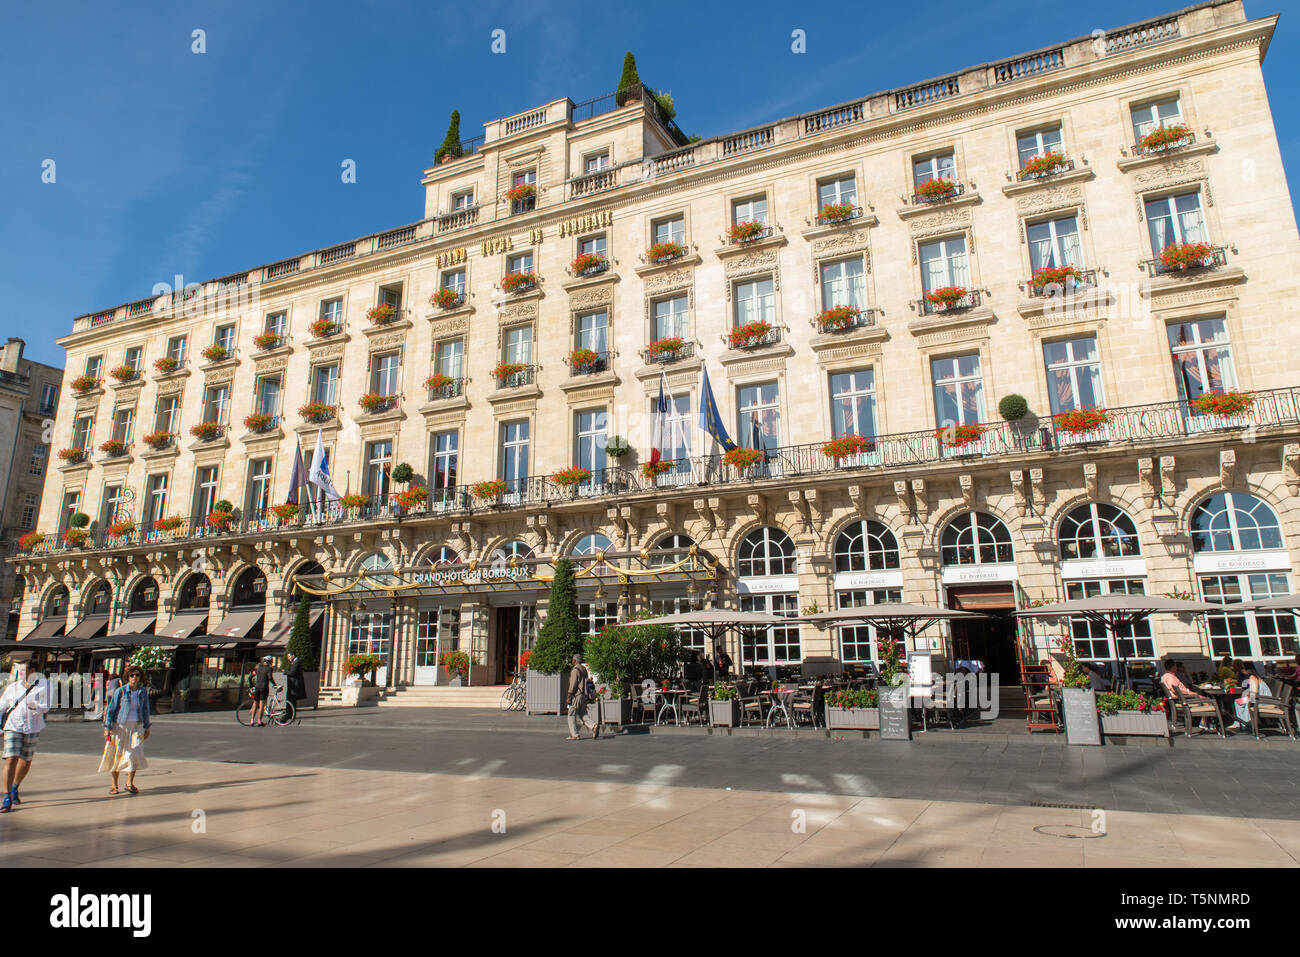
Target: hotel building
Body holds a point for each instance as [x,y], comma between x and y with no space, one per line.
[880,270]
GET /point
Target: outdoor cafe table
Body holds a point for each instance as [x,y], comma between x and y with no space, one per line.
[670,700]
[780,702]
[1223,700]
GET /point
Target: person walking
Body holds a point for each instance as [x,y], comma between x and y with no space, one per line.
[261,691]
[23,706]
[126,726]
[294,685]
[580,690]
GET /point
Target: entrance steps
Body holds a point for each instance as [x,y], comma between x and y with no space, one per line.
[418,696]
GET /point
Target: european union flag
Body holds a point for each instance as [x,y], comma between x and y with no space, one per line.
[710,420]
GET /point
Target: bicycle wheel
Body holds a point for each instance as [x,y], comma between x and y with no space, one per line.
[521,697]
[286,714]
[244,712]
[508,699]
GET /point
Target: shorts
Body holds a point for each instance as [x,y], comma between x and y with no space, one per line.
[19,745]
[261,694]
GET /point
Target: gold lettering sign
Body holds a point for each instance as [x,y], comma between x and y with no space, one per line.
[452,257]
[585,224]
[493,246]
[534,237]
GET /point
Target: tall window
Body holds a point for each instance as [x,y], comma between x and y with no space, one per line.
[519,344]
[592,244]
[384,371]
[268,395]
[332,310]
[839,189]
[944,263]
[94,366]
[135,357]
[110,505]
[591,331]
[1202,357]
[1039,143]
[176,346]
[853,403]
[30,503]
[1258,634]
[1073,374]
[858,643]
[277,323]
[591,437]
[866,545]
[391,296]
[1175,219]
[371,634]
[216,403]
[205,493]
[1149,116]
[514,453]
[595,162]
[1098,530]
[975,538]
[671,317]
[81,430]
[448,357]
[155,498]
[528,176]
[379,462]
[259,486]
[939,166]
[49,397]
[678,427]
[764,552]
[454,279]
[670,230]
[325,383]
[462,200]
[759,416]
[520,262]
[165,413]
[958,390]
[444,450]
[753,209]
[37,464]
[755,300]
[844,283]
[225,337]
[1090,637]
[122,419]
[1055,243]
[71,505]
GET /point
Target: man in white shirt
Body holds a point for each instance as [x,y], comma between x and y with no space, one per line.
[29,699]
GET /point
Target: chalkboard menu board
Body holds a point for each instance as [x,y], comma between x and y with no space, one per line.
[895,723]
[1079,707]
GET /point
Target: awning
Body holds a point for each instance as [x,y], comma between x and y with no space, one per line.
[92,626]
[238,623]
[46,628]
[140,622]
[185,623]
[278,634]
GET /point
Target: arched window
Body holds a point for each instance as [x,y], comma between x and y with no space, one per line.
[515,549]
[144,597]
[766,551]
[975,538]
[99,601]
[592,543]
[1234,521]
[1098,530]
[442,555]
[865,545]
[196,592]
[669,542]
[249,589]
[303,571]
[376,562]
[56,605]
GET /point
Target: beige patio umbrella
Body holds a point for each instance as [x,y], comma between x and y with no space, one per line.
[717,623]
[895,618]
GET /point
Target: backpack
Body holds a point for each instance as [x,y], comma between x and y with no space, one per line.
[589,689]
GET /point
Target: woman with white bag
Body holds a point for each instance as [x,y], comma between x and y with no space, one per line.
[126,726]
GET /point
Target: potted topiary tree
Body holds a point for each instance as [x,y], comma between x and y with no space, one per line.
[629,83]
[450,148]
[558,640]
[300,648]
[1013,407]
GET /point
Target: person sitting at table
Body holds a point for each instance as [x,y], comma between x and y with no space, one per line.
[1096,680]
[1252,686]
[1183,676]
[1172,682]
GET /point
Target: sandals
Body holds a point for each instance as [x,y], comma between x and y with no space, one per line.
[114,790]
[133,789]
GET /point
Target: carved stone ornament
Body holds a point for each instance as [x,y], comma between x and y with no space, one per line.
[442,328]
[598,296]
[943,221]
[848,242]
[1291,467]
[1053,198]
[757,261]
[1168,489]
[219,377]
[276,364]
[1147,481]
[521,312]
[326,353]
[1174,170]
[387,341]
[670,280]
[1090,478]
[1018,491]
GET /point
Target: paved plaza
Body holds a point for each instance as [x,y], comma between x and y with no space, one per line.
[412,788]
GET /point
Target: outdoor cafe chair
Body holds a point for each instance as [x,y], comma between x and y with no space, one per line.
[643,700]
[1273,708]
[1198,706]
[696,704]
[808,704]
[941,702]
[753,706]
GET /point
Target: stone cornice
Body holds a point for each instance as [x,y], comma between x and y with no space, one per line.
[1129,164]
[1079,174]
[689,258]
[969,198]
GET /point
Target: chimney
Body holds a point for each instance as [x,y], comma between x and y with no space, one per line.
[11,354]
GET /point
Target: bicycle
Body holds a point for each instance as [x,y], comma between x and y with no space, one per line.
[514,697]
[279,710]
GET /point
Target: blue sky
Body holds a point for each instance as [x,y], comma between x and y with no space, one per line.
[171,162]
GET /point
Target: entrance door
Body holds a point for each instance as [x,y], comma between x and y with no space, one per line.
[991,640]
[505,650]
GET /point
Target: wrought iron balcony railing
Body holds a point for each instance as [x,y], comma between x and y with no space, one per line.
[453,389]
[970,300]
[1087,279]
[1187,140]
[599,364]
[957,190]
[1218,256]
[664,357]
[523,377]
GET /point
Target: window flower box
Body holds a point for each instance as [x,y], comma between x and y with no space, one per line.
[438,381]
[570,477]
[1043,165]
[446,298]
[521,191]
[588,263]
[746,231]
[216,353]
[258,421]
[72,456]
[168,524]
[583,360]
[847,445]
[1054,276]
[835,213]
[354,500]
[157,440]
[376,402]
[653,470]
[946,297]
[1181,257]
[124,373]
[485,491]
[220,520]
[665,252]
[76,537]
[323,328]
[166,364]
[505,370]
[413,497]
[667,348]
[933,190]
[206,431]
[30,540]
[316,412]
[742,458]
[383,313]
[267,340]
[751,333]
[1222,404]
[122,529]
[1165,137]
[960,436]
[513,282]
[113,447]
[838,318]
[84,383]
[1079,421]
[286,512]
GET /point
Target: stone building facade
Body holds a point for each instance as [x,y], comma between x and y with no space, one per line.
[896,263]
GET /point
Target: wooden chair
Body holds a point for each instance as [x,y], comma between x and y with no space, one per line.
[1196,706]
[696,703]
[1273,708]
[753,706]
[1040,708]
[809,705]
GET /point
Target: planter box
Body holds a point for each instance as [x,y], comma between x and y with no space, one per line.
[1079,712]
[616,711]
[544,694]
[357,695]
[855,719]
[1136,722]
[724,714]
[311,689]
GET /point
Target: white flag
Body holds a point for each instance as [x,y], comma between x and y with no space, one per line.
[319,474]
